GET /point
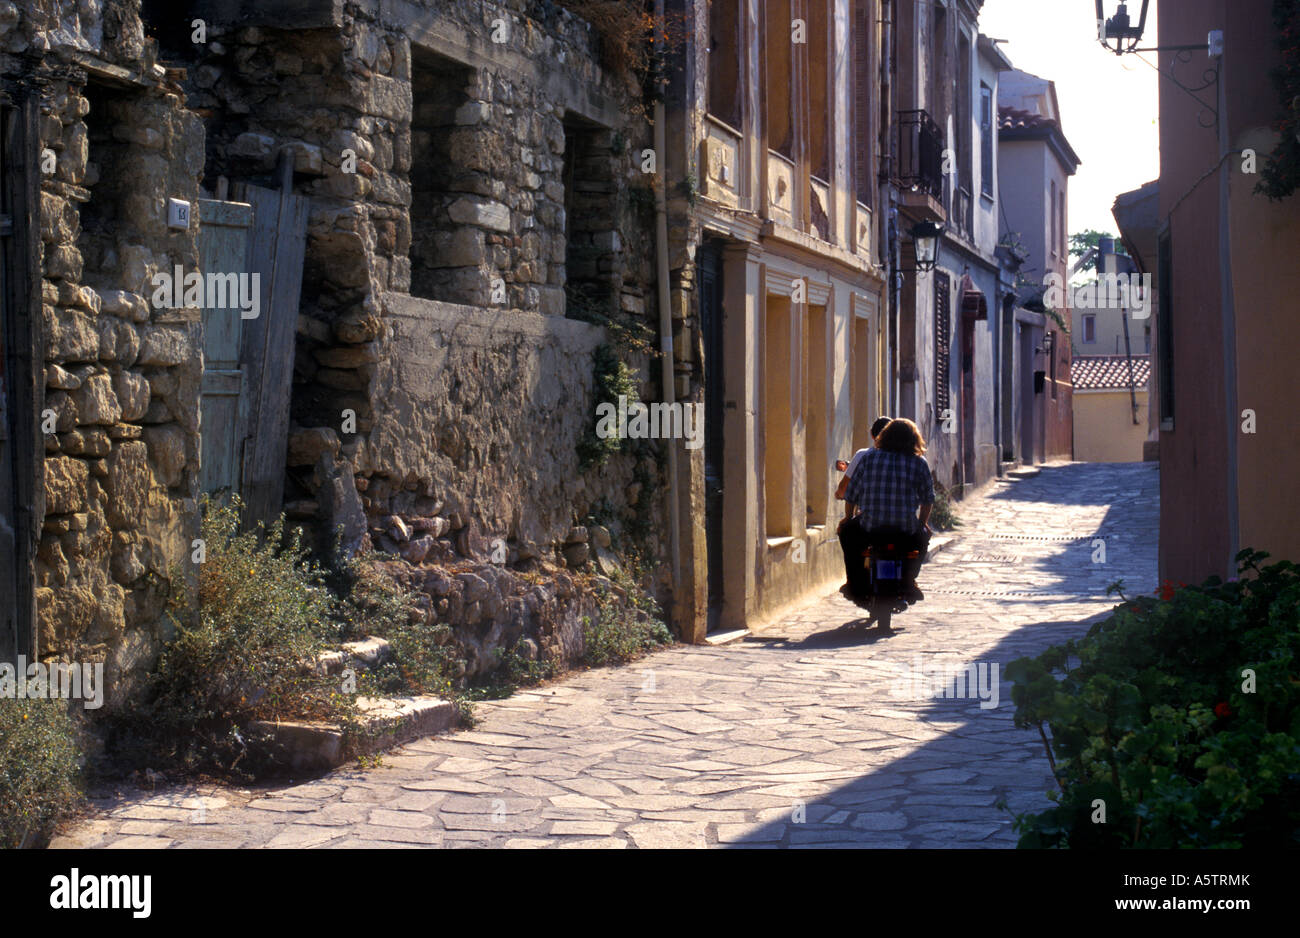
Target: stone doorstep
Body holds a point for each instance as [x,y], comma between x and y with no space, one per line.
[939,543]
[388,722]
[726,638]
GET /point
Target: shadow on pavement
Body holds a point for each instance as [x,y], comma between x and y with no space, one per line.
[946,792]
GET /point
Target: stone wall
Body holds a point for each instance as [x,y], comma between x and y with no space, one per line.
[121,378]
[467,416]
[488,178]
[459,195]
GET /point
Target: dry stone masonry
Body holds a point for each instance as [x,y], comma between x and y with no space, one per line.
[473,220]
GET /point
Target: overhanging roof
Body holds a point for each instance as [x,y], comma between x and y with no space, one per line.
[1137,213]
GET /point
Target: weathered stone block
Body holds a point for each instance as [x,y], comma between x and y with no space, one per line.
[166,445]
[63,616]
[390,98]
[128,484]
[70,335]
[58,378]
[160,345]
[65,484]
[485,213]
[96,402]
[132,394]
[63,262]
[90,441]
[464,247]
[252,145]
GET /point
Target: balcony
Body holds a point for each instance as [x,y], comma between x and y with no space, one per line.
[919,172]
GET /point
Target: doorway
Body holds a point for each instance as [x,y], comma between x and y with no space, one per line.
[709,271]
[21,377]
[967,401]
[1025,362]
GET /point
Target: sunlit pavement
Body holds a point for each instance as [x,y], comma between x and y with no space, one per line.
[813,733]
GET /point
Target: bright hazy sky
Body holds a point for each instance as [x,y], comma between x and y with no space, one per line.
[1108,104]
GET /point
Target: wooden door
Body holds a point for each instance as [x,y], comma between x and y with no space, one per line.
[224,241]
[22,497]
[709,267]
[279,243]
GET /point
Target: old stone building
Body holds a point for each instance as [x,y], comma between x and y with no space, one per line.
[420,218]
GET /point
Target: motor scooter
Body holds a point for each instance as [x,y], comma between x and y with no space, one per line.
[883,558]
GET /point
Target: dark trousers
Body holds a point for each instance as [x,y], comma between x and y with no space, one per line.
[854,540]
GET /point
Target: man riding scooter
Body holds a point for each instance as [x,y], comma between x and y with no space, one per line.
[888,487]
[853,561]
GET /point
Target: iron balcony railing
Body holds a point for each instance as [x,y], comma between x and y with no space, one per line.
[920,153]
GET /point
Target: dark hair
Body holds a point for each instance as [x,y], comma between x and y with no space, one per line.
[880,424]
[901,436]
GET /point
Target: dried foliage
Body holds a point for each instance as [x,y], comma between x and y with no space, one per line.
[627,34]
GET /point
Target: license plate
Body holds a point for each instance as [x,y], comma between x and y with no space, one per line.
[888,570]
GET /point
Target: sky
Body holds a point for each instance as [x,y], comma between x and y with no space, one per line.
[1108,103]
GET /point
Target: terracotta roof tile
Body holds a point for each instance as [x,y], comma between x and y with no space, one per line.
[1108,372]
[1012,118]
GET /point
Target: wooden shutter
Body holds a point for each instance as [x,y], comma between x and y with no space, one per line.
[942,341]
[223,248]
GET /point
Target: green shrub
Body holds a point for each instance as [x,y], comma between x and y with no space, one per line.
[423,660]
[40,773]
[942,516]
[244,652]
[1180,712]
[625,626]
[614,378]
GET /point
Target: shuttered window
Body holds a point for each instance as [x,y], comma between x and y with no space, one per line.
[986,140]
[942,340]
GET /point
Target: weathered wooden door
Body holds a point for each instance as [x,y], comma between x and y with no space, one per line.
[709,266]
[22,497]
[279,243]
[224,242]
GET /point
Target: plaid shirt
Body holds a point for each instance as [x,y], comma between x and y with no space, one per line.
[888,488]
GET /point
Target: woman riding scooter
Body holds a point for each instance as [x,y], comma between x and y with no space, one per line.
[889,485]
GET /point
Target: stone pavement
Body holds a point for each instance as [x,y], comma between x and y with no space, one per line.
[803,735]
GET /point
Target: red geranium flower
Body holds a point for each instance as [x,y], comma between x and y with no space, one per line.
[1222,710]
[1166,590]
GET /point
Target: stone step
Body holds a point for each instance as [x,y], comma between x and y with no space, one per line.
[386,722]
[939,542]
[1024,472]
[727,637]
[358,655]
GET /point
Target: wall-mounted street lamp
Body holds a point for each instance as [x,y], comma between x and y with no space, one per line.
[1118,34]
[925,241]
[1119,29]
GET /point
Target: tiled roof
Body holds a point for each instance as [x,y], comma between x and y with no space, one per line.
[1012,118]
[1108,372]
